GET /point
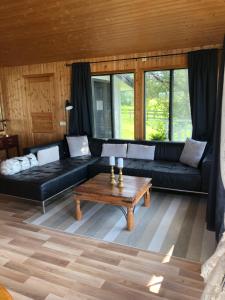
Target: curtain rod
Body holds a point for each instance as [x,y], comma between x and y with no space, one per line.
[137,58]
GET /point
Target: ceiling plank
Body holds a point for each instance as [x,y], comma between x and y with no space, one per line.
[36,31]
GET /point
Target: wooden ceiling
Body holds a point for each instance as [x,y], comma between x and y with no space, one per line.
[34,31]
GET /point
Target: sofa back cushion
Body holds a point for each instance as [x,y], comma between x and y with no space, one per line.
[48,155]
[167,151]
[61,144]
[192,152]
[95,146]
[78,145]
[117,150]
[141,151]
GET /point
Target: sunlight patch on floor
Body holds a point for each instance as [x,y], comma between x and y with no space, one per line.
[154,284]
[168,255]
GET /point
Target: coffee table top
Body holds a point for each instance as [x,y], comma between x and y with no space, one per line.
[100,186]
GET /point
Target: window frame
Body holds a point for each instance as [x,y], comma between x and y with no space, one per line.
[171,95]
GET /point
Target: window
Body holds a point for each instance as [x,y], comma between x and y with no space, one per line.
[113,106]
[167,105]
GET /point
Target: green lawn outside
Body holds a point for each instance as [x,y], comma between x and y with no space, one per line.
[127,122]
[155,129]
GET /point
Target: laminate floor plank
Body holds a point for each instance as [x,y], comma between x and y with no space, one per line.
[38,263]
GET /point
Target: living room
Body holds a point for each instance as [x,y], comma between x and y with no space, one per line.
[112,148]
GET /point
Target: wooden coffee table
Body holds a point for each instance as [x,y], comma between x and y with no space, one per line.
[99,189]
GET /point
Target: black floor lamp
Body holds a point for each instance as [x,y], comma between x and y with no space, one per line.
[68,107]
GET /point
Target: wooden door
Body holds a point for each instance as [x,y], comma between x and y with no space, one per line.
[40,108]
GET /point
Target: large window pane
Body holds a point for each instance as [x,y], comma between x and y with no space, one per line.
[102,107]
[157,85]
[167,105]
[123,105]
[181,116]
[113,106]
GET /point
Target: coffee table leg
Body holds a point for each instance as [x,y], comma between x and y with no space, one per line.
[78,212]
[130,218]
[147,198]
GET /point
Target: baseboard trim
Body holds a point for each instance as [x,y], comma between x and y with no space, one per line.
[178,190]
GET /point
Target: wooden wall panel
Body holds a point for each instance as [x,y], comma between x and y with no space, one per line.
[16,98]
[40,95]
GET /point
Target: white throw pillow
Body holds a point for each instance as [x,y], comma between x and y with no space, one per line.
[48,155]
[141,151]
[32,160]
[10,166]
[24,162]
[78,145]
[192,152]
[117,150]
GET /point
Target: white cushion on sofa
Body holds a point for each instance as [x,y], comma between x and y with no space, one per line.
[192,152]
[10,166]
[24,162]
[141,151]
[78,145]
[32,160]
[48,155]
[117,150]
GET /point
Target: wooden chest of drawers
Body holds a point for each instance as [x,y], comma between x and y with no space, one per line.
[7,142]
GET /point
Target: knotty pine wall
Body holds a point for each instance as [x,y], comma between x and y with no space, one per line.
[34,94]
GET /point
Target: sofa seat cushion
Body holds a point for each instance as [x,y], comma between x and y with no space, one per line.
[173,175]
[42,182]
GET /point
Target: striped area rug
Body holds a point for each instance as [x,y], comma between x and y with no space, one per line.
[173,225]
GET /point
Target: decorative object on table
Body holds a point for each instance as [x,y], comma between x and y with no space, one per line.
[112,164]
[3,126]
[120,178]
[68,107]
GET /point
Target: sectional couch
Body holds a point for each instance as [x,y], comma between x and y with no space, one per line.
[42,183]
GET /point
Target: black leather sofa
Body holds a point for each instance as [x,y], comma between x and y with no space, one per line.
[166,171]
[43,182]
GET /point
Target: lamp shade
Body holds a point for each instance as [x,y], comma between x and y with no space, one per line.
[68,105]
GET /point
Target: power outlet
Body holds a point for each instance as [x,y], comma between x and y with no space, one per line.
[62,123]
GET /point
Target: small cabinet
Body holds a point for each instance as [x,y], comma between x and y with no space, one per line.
[7,142]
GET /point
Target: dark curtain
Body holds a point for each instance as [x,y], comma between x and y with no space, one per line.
[216,199]
[81,98]
[202,73]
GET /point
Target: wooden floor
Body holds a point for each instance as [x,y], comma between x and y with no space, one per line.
[39,263]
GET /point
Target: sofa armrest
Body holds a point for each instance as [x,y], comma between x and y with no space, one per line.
[205,171]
